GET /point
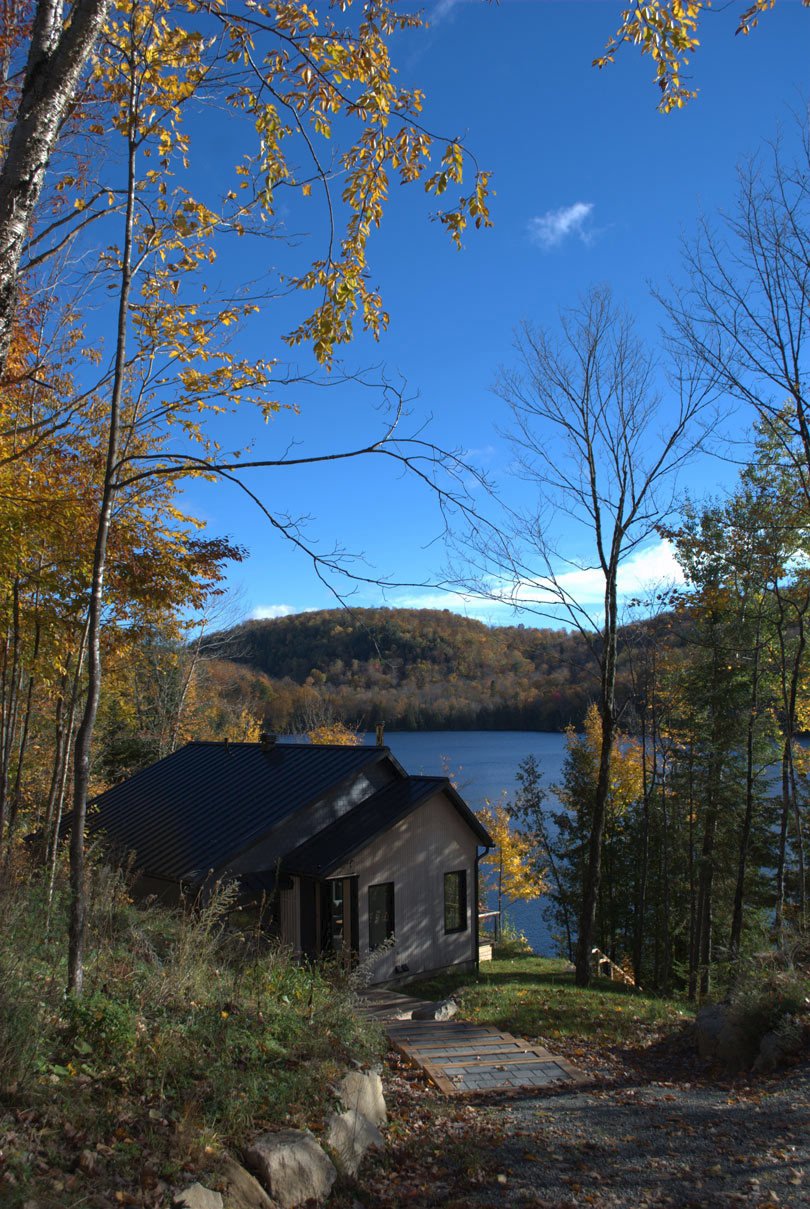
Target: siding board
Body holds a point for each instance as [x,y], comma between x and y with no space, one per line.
[415,854]
[290,917]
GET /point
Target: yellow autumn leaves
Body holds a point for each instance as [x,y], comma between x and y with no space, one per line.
[667,30]
[512,865]
[515,866]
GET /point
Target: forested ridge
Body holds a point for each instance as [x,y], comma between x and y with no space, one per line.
[417,669]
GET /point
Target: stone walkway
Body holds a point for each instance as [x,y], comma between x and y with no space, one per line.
[460,1057]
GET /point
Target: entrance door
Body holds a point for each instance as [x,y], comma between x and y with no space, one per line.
[339,925]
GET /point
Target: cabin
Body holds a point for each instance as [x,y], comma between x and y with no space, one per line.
[350,855]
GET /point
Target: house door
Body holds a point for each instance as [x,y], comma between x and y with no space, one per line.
[339,910]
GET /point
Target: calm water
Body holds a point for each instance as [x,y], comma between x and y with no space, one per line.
[483,764]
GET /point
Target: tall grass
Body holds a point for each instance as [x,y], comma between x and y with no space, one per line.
[199,1029]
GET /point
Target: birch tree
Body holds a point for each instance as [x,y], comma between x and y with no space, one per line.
[318,113]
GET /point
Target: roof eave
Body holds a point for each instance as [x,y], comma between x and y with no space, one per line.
[379,754]
[347,854]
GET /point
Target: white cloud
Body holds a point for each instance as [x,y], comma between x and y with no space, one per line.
[492,612]
[550,229]
[442,9]
[653,567]
[271,612]
[645,569]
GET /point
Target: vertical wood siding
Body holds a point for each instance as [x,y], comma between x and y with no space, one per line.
[415,854]
[290,917]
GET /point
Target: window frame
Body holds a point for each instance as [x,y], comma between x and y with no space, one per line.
[462,902]
[374,944]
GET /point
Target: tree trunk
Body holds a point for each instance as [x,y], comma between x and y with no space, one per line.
[11,681]
[666,925]
[61,782]
[58,53]
[593,870]
[791,670]
[705,903]
[797,819]
[648,786]
[781,860]
[693,912]
[84,737]
[748,815]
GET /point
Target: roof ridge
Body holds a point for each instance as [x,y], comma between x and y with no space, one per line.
[370,747]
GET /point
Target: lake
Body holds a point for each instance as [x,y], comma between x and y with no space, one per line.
[483,764]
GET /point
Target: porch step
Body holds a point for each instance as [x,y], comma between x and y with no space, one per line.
[379,1004]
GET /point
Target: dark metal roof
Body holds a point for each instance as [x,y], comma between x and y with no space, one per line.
[201,806]
[330,848]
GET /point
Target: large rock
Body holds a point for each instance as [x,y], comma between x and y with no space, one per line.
[780,1046]
[736,1048]
[349,1136]
[362,1091]
[722,1037]
[709,1024]
[445,1009]
[292,1166]
[242,1190]
[197,1197]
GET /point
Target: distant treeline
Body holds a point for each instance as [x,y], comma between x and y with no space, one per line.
[415,669]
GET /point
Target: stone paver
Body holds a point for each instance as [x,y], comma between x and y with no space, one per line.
[461,1057]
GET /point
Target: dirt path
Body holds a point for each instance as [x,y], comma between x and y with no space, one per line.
[633,1143]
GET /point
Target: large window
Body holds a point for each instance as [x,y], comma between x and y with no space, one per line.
[455,901]
[380,914]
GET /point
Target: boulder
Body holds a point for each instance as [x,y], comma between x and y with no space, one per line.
[349,1136]
[242,1190]
[722,1037]
[362,1091]
[291,1166]
[709,1024]
[445,1009]
[197,1197]
[736,1049]
[780,1047]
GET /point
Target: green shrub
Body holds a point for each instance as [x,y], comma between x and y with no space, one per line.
[764,1007]
[101,1027]
[770,994]
[511,942]
[190,1034]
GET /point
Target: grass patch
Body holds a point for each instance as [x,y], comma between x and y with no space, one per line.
[535,997]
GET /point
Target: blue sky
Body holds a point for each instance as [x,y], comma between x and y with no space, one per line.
[592,185]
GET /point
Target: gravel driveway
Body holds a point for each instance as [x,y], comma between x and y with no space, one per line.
[655,1145]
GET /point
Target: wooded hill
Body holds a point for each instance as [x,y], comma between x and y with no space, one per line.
[416,669]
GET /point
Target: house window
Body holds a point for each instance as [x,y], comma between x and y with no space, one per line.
[455,901]
[380,914]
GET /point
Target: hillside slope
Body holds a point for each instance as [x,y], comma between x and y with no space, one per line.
[416,669]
